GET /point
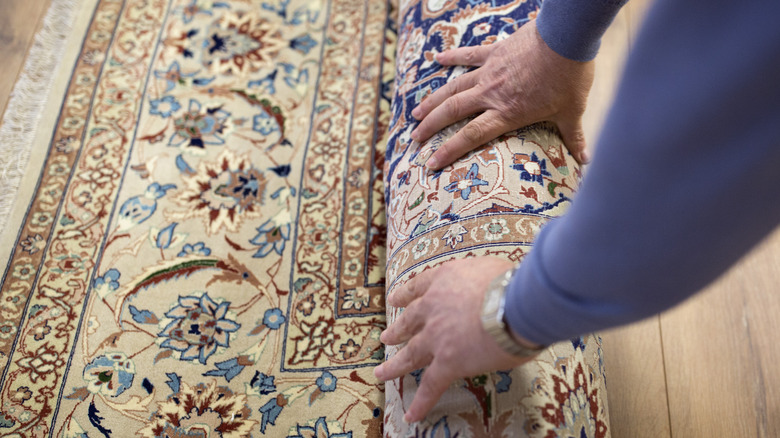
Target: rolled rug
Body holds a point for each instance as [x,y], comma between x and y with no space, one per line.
[492,201]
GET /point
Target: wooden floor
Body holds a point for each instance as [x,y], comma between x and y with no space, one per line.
[708,368]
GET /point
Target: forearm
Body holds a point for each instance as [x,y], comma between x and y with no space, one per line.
[573,28]
[684,181]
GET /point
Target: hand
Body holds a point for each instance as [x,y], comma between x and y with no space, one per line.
[444,331]
[520,81]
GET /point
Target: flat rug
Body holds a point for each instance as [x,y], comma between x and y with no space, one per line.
[203,254]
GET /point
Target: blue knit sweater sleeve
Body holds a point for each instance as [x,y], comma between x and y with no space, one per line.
[685,177]
[573,28]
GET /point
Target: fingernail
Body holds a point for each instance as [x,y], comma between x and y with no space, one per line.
[407,418]
[416,112]
[378,372]
[432,163]
[415,135]
[584,157]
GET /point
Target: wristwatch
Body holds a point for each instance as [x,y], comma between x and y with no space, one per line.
[494,322]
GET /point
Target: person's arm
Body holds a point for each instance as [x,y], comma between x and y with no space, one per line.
[684,181]
[573,28]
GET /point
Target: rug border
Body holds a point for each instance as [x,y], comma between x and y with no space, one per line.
[55,84]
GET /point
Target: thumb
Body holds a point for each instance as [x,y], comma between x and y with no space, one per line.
[574,139]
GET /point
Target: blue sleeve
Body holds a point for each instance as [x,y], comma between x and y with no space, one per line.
[685,177]
[573,28]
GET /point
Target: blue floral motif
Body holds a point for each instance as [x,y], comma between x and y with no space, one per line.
[303,44]
[143,316]
[164,107]
[265,123]
[264,384]
[266,84]
[531,168]
[199,248]
[327,382]
[272,235]
[139,208]
[165,237]
[274,318]
[462,184]
[199,127]
[505,382]
[297,82]
[228,369]
[109,280]
[199,326]
[109,374]
[319,430]
[270,411]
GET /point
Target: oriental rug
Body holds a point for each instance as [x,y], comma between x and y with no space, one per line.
[199,244]
[491,202]
[203,253]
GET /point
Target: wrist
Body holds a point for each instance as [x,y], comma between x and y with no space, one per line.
[495,324]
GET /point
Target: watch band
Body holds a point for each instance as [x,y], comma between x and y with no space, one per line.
[493,321]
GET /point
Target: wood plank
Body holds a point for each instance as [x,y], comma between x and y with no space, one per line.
[721,354]
[636,386]
[609,68]
[19,21]
[633,354]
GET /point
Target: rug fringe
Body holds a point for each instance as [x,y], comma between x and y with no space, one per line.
[28,100]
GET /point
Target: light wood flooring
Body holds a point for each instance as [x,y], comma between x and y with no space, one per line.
[708,368]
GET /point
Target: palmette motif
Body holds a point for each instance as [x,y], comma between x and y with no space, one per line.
[491,202]
[205,254]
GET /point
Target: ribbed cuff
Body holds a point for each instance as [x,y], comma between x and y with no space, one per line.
[573,28]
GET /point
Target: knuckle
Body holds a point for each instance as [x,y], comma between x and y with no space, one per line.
[454,105]
[473,132]
[413,356]
[456,85]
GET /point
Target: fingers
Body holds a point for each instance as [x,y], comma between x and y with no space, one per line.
[409,322]
[574,139]
[460,84]
[477,132]
[435,380]
[415,355]
[412,289]
[476,55]
[457,107]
